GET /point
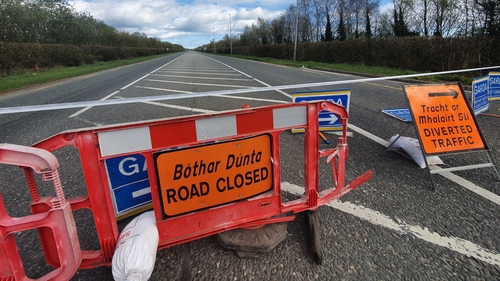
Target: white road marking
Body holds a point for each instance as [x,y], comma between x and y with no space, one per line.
[469,185]
[165,90]
[338,133]
[199,84]
[254,99]
[192,69]
[89,107]
[449,175]
[116,92]
[256,80]
[456,244]
[203,77]
[207,73]
[368,135]
[180,107]
[459,245]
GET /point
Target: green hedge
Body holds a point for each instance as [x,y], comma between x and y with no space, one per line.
[20,57]
[411,53]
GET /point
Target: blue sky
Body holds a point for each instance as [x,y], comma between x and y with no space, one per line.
[188,23]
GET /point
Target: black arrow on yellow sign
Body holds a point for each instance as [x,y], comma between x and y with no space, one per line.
[444,94]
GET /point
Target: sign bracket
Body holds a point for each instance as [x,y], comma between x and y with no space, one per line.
[389,147]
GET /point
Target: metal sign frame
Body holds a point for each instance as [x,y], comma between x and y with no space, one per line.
[446,124]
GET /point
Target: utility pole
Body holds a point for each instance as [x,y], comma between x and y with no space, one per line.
[296,30]
[230,36]
[214,40]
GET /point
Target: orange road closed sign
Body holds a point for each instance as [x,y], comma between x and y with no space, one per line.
[205,176]
[443,118]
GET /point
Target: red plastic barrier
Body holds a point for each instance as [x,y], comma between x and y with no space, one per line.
[207,174]
[55,224]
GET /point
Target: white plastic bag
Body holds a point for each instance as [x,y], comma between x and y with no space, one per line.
[135,253]
[412,147]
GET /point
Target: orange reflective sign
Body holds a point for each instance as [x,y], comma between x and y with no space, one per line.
[205,176]
[443,118]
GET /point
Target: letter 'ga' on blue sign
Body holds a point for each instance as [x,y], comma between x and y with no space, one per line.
[494,85]
[327,120]
[129,182]
[480,94]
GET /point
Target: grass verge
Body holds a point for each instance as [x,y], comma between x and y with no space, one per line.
[42,76]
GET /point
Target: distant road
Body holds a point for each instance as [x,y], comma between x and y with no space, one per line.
[390,228]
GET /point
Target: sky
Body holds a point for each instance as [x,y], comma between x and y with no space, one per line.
[184,22]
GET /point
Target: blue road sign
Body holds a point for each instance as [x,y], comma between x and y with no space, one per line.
[480,92]
[129,182]
[494,80]
[402,114]
[327,120]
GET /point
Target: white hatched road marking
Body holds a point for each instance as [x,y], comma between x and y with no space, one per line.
[257,80]
[207,73]
[456,244]
[459,180]
[204,78]
[199,84]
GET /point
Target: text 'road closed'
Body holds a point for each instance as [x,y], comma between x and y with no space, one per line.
[206,176]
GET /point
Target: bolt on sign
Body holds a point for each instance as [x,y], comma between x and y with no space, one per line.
[444,119]
[204,176]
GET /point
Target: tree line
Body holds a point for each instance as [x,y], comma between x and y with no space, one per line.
[340,20]
[56,22]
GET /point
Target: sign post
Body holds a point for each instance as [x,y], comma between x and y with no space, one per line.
[445,123]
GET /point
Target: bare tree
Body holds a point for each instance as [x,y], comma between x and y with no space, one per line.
[446,17]
[355,9]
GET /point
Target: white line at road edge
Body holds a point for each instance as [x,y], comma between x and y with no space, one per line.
[458,180]
[453,243]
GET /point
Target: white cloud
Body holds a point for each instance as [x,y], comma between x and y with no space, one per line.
[387,7]
[188,24]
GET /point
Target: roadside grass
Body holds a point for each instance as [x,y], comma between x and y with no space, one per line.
[42,76]
[358,68]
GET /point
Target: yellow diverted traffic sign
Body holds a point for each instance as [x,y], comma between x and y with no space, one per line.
[443,118]
[205,176]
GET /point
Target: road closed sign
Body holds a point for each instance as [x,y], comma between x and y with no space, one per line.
[200,177]
[443,118]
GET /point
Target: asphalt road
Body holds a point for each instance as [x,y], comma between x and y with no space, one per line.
[390,228]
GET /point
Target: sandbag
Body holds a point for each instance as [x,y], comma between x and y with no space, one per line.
[135,253]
